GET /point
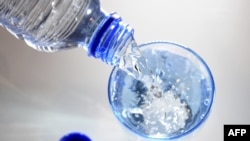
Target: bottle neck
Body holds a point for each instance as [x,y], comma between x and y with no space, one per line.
[111,40]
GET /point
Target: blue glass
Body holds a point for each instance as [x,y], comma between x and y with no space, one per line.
[175,104]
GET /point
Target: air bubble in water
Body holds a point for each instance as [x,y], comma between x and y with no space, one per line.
[206,101]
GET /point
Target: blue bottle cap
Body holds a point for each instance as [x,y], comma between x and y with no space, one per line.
[75,137]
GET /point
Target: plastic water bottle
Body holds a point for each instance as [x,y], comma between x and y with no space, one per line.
[53,25]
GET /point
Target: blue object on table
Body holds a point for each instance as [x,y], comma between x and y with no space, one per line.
[75,137]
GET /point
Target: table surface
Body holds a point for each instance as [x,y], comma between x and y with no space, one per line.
[46,95]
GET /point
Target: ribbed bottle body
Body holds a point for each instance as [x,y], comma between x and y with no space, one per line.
[51,25]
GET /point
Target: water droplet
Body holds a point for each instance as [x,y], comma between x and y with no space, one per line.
[202,116]
[206,101]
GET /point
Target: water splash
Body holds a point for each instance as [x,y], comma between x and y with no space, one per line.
[161,93]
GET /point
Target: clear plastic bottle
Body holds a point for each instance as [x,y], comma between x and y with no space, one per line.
[53,25]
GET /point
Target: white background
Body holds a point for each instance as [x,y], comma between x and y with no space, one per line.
[46,95]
